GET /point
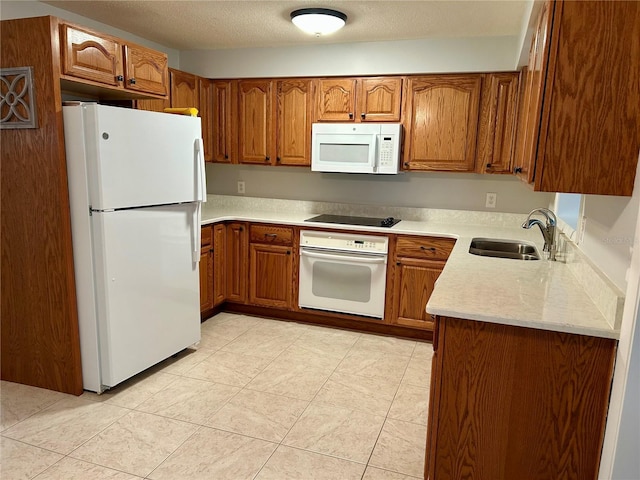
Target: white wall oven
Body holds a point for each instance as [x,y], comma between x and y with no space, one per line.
[343,272]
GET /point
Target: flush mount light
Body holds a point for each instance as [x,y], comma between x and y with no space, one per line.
[318,21]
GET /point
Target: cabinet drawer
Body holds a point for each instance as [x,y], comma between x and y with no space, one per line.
[206,236]
[424,247]
[270,234]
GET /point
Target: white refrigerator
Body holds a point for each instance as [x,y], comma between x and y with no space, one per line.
[136,183]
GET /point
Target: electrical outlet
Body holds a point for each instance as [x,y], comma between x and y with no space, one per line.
[491,200]
[241,187]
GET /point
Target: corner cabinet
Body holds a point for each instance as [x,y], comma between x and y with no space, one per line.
[417,264]
[367,99]
[581,103]
[441,122]
[271,255]
[497,127]
[184,89]
[512,402]
[104,60]
[212,266]
[223,121]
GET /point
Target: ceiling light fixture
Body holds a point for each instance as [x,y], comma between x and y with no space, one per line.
[318,21]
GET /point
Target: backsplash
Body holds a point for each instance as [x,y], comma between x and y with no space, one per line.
[605,294]
[434,215]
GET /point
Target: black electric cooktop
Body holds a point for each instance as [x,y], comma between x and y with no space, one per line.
[349,220]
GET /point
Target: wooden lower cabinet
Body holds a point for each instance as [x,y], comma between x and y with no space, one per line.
[271,279]
[219,261]
[418,262]
[206,268]
[516,403]
[237,261]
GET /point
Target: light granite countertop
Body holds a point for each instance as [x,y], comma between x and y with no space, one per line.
[535,294]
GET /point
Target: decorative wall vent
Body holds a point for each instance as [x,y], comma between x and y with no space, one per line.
[17,100]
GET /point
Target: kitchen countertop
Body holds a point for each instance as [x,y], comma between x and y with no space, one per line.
[535,294]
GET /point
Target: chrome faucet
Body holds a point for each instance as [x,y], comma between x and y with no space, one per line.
[548,230]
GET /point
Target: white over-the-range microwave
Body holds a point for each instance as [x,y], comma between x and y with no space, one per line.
[356,147]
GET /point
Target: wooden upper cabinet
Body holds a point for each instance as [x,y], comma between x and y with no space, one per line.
[205,102]
[531,98]
[335,99]
[90,56]
[255,121]
[184,89]
[145,70]
[582,102]
[379,99]
[442,122]
[104,60]
[367,99]
[224,133]
[496,131]
[293,122]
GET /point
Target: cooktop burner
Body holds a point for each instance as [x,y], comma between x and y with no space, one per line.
[349,220]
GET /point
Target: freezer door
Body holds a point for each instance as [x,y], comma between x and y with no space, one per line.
[136,158]
[147,287]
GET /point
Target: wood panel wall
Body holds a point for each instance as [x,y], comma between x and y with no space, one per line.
[39,321]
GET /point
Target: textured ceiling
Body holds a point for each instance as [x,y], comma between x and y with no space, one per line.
[194,25]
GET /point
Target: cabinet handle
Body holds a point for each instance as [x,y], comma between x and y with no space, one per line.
[488,165]
[398,263]
[271,235]
[517,170]
[267,159]
[363,116]
[406,164]
[288,252]
[277,159]
[120,78]
[132,81]
[241,229]
[350,115]
[226,157]
[432,249]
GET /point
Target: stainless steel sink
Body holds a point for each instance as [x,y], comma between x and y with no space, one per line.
[490,247]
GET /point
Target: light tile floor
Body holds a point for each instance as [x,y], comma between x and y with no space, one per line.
[258,399]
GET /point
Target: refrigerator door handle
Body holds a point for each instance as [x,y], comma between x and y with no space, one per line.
[202,175]
[195,234]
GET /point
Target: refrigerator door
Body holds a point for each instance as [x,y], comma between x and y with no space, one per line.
[138,158]
[147,287]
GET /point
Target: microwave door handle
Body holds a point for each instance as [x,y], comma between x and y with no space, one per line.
[373,155]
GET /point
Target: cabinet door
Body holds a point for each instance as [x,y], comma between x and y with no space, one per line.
[379,99]
[219,264]
[270,275]
[237,262]
[335,99]
[293,122]
[145,70]
[206,269]
[223,121]
[496,131]
[184,89]
[442,122]
[255,122]
[152,105]
[205,101]
[413,284]
[531,100]
[90,56]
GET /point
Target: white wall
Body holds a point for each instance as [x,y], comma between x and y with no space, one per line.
[367,58]
[416,189]
[30,8]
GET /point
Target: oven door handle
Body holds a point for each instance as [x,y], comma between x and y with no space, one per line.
[338,257]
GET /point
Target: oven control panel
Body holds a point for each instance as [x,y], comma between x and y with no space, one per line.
[344,241]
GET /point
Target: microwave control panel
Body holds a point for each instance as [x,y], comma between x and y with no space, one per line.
[386,151]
